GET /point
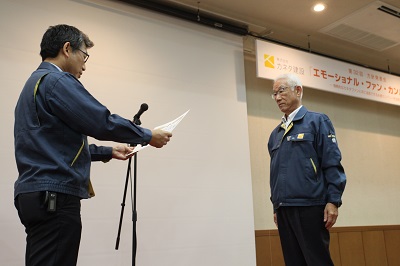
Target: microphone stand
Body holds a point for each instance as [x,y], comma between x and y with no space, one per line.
[136,121]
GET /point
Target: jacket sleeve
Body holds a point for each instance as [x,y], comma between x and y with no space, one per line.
[330,160]
[100,153]
[76,107]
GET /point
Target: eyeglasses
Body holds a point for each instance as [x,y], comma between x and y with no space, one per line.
[86,55]
[281,90]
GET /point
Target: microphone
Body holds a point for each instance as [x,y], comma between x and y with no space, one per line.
[136,118]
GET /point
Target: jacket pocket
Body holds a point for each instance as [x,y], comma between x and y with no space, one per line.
[303,149]
[35,91]
[78,153]
[314,167]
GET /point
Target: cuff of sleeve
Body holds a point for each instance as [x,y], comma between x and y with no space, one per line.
[108,151]
[337,204]
[147,136]
[335,199]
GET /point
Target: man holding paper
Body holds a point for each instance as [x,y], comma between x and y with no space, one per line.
[53,117]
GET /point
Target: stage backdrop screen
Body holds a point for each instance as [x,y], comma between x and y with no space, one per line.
[194,198]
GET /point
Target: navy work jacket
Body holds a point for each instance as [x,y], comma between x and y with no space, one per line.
[305,165]
[53,117]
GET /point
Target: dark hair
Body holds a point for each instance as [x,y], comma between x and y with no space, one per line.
[56,36]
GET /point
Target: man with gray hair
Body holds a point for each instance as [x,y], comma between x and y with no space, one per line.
[307,179]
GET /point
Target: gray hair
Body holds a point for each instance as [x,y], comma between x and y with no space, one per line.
[292,80]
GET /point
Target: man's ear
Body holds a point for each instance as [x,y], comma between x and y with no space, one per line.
[66,49]
[299,90]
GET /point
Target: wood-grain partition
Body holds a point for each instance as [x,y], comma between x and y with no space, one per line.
[350,246]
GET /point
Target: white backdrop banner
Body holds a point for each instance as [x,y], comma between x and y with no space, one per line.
[327,74]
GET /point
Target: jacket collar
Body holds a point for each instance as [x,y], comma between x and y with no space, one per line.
[48,66]
[300,114]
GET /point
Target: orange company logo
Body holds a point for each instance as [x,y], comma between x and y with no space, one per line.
[269,61]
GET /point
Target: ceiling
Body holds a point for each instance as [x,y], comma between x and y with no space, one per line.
[293,22]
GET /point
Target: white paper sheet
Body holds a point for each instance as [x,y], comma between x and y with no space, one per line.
[169,127]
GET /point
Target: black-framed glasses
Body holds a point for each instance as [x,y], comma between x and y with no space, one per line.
[86,55]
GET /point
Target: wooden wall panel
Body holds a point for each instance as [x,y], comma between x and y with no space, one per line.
[374,248]
[263,247]
[335,249]
[350,246]
[392,241]
[276,250]
[268,248]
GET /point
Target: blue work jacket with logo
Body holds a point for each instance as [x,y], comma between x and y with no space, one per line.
[305,165]
[53,117]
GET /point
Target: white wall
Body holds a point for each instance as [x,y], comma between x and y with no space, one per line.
[194,196]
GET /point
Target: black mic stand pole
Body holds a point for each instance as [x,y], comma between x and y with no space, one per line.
[136,121]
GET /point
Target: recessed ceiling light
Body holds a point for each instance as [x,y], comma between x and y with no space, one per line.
[319,7]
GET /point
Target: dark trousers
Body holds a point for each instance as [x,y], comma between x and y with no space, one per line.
[52,237]
[304,238]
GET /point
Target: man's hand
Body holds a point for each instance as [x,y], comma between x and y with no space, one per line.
[275,220]
[159,138]
[330,215]
[120,152]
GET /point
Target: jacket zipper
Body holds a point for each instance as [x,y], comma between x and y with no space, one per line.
[286,130]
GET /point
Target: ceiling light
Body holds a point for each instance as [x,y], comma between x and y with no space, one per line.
[319,7]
